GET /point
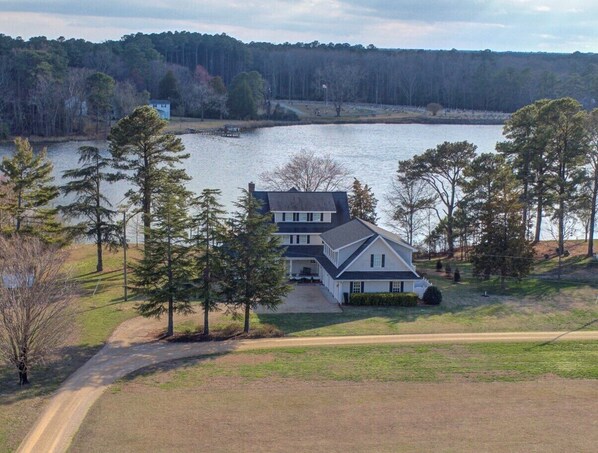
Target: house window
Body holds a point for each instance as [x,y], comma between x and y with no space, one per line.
[284,216]
[295,217]
[310,216]
[308,238]
[303,217]
[321,216]
[396,287]
[291,239]
[356,287]
[377,260]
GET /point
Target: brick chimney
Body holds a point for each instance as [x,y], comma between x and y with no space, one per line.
[251,187]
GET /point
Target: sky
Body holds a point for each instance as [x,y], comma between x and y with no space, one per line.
[499,25]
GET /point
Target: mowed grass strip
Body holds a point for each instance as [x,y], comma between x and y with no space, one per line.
[422,363]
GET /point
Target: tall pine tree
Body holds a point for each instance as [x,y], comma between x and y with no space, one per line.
[90,204]
[362,202]
[253,267]
[210,228]
[503,248]
[148,157]
[29,193]
[164,275]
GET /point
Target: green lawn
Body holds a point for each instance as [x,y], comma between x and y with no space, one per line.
[423,363]
[533,304]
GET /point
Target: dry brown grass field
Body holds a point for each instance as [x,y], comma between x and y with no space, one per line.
[179,408]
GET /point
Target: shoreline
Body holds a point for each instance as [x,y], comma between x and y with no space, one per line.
[177,126]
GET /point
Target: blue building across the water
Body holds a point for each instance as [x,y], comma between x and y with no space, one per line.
[162,106]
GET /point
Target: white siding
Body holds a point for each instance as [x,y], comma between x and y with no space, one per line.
[314,239]
[345,253]
[392,262]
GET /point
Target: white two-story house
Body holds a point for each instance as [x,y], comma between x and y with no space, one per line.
[301,218]
[348,256]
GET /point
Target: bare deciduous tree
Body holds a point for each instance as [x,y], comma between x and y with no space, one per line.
[341,83]
[309,173]
[410,201]
[35,302]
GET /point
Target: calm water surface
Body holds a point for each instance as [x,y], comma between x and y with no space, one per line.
[370,151]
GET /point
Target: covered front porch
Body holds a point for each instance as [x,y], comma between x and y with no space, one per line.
[303,269]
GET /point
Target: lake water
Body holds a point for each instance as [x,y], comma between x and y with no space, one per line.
[370,151]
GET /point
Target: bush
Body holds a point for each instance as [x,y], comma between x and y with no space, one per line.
[438,266]
[432,296]
[383,299]
[447,269]
[457,275]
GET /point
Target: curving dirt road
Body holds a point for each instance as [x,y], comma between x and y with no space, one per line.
[131,347]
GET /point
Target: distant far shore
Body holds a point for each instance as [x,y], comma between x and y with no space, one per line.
[317,112]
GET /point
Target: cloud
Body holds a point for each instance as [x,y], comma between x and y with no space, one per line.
[466,24]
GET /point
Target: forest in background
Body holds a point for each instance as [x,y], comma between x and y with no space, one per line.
[50,87]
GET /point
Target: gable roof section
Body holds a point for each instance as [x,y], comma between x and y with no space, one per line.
[356,230]
[389,236]
[346,234]
[340,211]
[294,201]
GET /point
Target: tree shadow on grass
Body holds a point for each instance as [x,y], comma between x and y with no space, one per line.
[45,379]
[292,323]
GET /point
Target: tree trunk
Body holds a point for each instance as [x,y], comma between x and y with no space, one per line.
[170,329]
[539,213]
[246,327]
[593,216]
[23,378]
[100,264]
[206,325]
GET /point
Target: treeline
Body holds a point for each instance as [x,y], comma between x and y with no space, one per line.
[45,89]
[496,205]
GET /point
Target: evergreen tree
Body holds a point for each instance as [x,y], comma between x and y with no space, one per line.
[503,248]
[29,192]
[362,202]
[253,269]
[442,169]
[168,89]
[592,128]
[564,123]
[90,203]
[139,146]
[526,152]
[210,227]
[163,276]
[100,93]
[241,103]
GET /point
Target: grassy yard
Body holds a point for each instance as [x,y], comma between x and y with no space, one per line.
[536,303]
[99,309]
[358,398]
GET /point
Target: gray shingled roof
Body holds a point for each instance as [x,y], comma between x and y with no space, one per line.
[346,234]
[301,201]
[385,233]
[356,230]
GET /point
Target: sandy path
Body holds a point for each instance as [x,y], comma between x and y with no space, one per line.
[131,348]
